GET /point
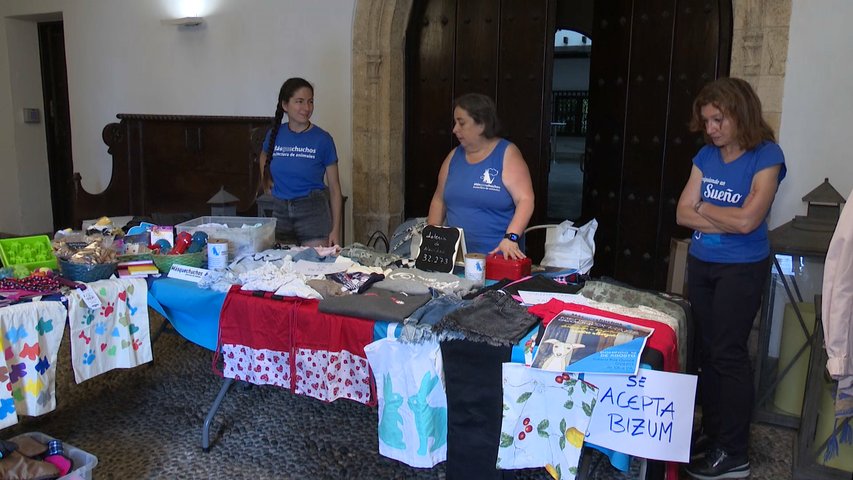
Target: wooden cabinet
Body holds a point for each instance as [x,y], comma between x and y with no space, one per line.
[168,164]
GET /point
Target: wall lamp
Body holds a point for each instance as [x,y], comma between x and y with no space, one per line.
[183,22]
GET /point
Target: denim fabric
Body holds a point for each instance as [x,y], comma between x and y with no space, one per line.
[494,317]
[436,309]
[418,327]
[303,219]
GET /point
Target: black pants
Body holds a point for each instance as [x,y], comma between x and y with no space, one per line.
[474,383]
[725,299]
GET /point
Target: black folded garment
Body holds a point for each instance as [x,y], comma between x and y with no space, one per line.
[539,283]
[494,318]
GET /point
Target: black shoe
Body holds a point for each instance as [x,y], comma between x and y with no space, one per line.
[699,446]
[719,464]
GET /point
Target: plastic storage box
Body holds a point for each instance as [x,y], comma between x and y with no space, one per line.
[31,252]
[82,463]
[241,240]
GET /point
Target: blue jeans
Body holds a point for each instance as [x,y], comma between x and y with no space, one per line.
[304,219]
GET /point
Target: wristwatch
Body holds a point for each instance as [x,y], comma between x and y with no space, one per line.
[512,237]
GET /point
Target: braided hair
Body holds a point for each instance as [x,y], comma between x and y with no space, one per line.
[288,89]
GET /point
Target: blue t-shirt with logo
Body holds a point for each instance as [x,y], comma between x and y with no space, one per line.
[476,199]
[299,161]
[728,185]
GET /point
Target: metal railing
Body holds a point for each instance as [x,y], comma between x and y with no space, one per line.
[570,112]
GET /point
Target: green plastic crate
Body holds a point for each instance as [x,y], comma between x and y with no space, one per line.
[31,252]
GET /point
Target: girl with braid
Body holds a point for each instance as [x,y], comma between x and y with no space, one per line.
[303,171]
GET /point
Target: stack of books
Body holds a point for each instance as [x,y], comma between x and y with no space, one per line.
[137,268]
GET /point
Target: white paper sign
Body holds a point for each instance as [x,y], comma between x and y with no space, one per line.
[536,298]
[191,274]
[90,298]
[649,415]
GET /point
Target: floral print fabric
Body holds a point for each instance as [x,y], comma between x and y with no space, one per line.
[545,418]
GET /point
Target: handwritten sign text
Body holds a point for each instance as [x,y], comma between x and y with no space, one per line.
[649,414]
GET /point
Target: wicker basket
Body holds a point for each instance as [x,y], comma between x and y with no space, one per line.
[80,272]
[164,262]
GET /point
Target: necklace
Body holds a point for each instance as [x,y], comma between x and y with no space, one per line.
[300,131]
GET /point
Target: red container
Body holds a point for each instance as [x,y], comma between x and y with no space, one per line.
[498,268]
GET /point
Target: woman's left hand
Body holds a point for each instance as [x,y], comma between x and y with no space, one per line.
[334,238]
[510,250]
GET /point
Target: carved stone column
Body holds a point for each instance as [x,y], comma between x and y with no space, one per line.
[378,115]
[760,49]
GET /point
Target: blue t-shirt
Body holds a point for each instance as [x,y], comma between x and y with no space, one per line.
[299,161]
[727,185]
[477,200]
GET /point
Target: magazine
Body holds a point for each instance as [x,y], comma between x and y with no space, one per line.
[584,343]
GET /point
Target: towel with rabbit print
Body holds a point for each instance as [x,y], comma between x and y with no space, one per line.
[412,401]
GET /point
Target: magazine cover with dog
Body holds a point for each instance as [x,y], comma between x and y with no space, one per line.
[583,343]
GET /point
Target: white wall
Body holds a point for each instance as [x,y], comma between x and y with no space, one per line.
[121,59]
[817,108]
[571,74]
[29,138]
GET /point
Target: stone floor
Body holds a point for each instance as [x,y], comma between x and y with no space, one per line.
[146,423]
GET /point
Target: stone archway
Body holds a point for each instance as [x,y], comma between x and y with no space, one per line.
[378,94]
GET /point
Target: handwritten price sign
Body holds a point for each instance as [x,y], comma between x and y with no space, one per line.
[439,248]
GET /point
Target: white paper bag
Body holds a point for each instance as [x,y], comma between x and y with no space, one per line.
[412,401]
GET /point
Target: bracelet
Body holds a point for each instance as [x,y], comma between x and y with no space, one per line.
[696,207]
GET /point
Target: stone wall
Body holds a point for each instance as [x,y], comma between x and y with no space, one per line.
[759,51]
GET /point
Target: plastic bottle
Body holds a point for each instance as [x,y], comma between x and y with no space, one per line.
[182,243]
[56,456]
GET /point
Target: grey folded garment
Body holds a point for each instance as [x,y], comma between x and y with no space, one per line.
[374,304]
[418,282]
[493,317]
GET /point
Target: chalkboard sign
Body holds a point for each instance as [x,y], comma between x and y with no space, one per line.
[439,248]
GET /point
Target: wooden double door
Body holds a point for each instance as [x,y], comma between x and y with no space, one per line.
[649,59]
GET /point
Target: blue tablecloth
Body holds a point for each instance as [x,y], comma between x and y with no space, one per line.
[192,311]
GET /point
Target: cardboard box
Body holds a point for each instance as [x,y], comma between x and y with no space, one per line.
[676,279]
